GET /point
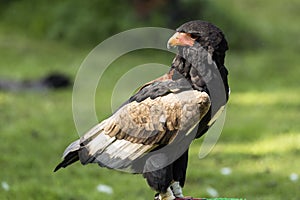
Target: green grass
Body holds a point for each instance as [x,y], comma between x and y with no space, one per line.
[260,140]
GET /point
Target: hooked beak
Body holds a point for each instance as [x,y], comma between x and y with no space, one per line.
[180,39]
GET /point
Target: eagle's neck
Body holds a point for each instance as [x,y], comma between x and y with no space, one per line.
[200,67]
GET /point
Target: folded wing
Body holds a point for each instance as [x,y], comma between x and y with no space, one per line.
[139,127]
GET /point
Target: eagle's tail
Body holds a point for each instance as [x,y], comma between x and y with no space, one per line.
[70,155]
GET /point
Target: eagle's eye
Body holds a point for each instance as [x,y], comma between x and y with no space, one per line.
[194,36]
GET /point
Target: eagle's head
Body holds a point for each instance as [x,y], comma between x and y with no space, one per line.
[196,35]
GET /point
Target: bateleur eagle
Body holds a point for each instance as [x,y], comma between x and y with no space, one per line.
[151,132]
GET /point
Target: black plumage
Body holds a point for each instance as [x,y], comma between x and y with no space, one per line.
[152,131]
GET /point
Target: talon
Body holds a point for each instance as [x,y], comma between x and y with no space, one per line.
[156,196]
[165,196]
[176,189]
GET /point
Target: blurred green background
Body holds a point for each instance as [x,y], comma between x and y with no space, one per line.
[259,147]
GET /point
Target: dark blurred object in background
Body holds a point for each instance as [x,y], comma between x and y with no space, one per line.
[50,81]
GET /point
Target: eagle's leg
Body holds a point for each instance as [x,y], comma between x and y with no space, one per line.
[176,189]
[168,195]
[179,173]
[159,177]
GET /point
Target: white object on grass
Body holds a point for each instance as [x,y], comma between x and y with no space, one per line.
[294,177]
[226,171]
[104,189]
[5,185]
[212,192]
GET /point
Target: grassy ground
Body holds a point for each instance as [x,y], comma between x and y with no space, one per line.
[259,143]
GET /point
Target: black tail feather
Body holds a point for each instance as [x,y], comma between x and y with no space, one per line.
[70,155]
[68,160]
